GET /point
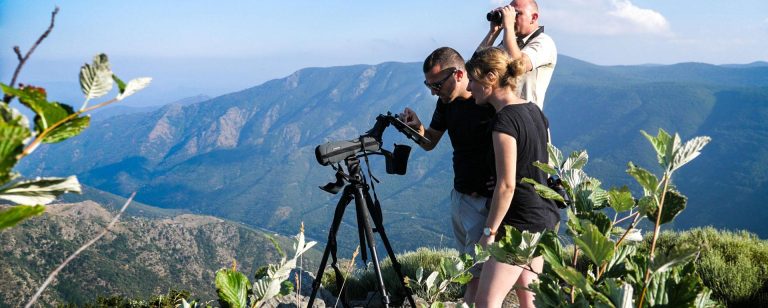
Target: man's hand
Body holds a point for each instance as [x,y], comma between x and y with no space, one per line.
[508,18]
[410,118]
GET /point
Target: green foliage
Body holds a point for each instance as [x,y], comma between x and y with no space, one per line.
[453,270]
[235,290]
[734,265]
[172,299]
[54,122]
[617,275]
[360,282]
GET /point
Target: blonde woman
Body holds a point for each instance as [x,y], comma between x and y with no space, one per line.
[520,134]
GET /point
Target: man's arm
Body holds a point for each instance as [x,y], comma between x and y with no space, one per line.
[434,137]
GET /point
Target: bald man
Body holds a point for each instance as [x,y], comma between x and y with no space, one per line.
[527,42]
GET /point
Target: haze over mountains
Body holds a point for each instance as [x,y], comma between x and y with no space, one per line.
[248,156]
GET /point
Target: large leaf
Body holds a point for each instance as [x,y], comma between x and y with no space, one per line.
[11,115]
[671,259]
[619,295]
[555,156]
[266,288]
[515,247]
[232,287]
[545,167]
[573,277]
[577,160]
[664,145]
[595,245]
[548,292]
[133,86]
[689,151]
[12,138]
[96,78]
[621,200]
[674,203]
[543,190]
[68,130]
[645,178]
[39,191]
[11,215]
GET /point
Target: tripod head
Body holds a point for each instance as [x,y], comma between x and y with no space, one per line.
[370,143]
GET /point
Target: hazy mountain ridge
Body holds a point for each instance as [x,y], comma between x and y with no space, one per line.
[248,155]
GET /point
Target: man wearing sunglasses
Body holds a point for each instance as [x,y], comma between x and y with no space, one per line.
[467,126]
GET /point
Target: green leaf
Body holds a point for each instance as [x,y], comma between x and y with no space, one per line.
[645,178]
[620,295]
[430,281]
[515,247]
[286,287]
[39,191]
[689,151]
[673,258]
[595,245]
[599,219]
[548,292]
[555,156]
[545,167]
[663,144]
[621,200]
[573,277]
[96,78]
[134,86]
[68,130]
[674,203]
[543,190]
[573,178]
[120,84]
[232,287]
[12,137]
[551,248]
[576,160]
[11,215]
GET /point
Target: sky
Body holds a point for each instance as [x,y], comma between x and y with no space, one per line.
[215,47]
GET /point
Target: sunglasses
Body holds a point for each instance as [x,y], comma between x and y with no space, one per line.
[437,85]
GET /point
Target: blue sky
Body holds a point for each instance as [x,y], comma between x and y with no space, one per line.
[215,47]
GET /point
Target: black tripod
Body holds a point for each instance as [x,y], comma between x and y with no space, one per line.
[364,207]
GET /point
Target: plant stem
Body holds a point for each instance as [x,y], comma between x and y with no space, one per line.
[77,252]
[631,227]
[7,98]
[656,230]
[575,258]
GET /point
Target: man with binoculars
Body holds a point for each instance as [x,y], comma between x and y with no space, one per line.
[528,42]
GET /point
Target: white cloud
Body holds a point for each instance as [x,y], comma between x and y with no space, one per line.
[603,17]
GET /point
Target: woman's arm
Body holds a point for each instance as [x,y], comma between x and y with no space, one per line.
[505,156]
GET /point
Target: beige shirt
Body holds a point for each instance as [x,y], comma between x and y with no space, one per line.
[543,54]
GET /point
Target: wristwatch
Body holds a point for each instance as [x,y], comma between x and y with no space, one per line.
[488,232]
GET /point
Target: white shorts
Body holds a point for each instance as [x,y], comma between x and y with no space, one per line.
[468,215]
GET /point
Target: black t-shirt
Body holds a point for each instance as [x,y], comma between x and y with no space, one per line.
[468,128]
[528,125]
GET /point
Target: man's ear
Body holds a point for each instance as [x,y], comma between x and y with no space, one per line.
[534,17]
[459,74]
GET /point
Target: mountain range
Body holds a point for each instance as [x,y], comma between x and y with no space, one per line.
[248,156]
[150,251]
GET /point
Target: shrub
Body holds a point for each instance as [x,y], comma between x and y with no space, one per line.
[734,265]
[362,281]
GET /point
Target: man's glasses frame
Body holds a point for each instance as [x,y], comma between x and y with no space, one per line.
[437,85]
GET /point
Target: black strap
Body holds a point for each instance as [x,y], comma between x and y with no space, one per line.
[522,44]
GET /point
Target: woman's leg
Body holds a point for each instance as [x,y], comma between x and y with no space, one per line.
[496,280]
[526,278]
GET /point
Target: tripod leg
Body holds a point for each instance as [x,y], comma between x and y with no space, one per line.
[361,207]
[376,215]
[330,248]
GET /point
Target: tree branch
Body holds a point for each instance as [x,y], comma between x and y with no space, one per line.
[76,253]
[7,98]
